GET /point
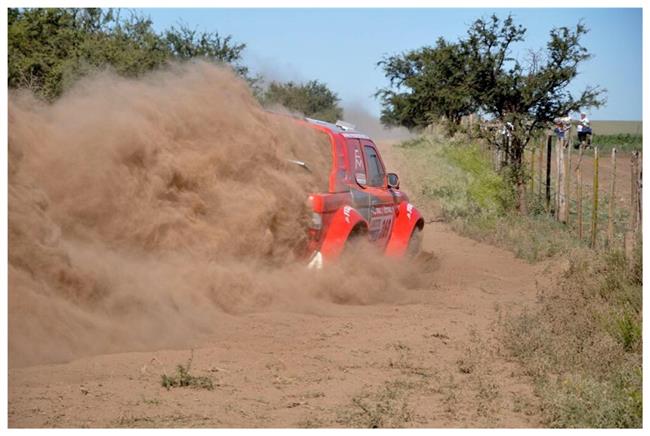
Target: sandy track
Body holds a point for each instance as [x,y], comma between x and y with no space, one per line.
[432,360]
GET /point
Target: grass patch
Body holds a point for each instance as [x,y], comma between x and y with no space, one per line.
[486,191]
[583,348]
[183,378]
[621,141]
[386,408]
[478,202]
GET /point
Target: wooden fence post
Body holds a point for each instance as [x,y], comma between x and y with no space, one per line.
[637,199]
[594,209]
[612,200]
[567,188]
[630,236]
[561,185]
[509,152]
[579,192]
[638,196]
[549,151]
[541,170]
[532,172]
[633,191]
[556,197]
[500,152]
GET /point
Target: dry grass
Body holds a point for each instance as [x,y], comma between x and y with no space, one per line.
[386,407]
[583,348]
[605,127]
[477,202]
[582,344]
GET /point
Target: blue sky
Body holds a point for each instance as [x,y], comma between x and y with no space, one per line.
[341,47]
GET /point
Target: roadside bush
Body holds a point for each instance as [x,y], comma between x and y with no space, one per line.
[477,201]
[486,190]
[312,99]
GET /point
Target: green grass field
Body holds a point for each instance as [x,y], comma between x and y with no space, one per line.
[620,141]
[624,135]
[603,127]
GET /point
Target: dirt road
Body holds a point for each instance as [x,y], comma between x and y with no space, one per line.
[428,358]
[431,361]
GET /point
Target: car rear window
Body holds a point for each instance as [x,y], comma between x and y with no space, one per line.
[375,169]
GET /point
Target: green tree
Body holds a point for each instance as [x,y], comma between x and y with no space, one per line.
[426,85]
[185,43]
[313,99]
[478,73]
[51,48]
[528,94]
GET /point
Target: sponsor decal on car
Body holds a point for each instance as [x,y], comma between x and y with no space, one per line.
[380,211]
[346,213]
[358,160]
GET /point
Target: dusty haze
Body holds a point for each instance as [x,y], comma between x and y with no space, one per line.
[367,123]
[145,213]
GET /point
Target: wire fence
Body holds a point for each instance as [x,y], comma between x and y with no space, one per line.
[582,189]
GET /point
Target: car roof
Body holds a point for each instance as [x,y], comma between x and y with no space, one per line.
[340,127]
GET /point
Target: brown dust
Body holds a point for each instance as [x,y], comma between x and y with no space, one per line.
[144,213]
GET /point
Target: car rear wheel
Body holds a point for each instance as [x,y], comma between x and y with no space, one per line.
[356,242]
[415,243]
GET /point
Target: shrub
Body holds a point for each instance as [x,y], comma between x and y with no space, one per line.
[183,378]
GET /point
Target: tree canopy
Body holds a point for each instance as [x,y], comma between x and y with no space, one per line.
[532,92]
[479,74]
[426,84]
[51,48]
[313,99]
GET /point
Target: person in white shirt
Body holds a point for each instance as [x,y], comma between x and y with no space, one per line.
[584,130]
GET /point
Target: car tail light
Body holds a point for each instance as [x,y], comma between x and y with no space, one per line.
[315,226]
[315,203]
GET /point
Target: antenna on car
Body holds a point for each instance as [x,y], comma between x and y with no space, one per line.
[345,126]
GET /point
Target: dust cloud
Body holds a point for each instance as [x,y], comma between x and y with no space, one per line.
[145,213]
[367,123]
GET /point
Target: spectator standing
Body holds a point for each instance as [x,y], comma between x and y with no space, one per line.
[584,131]
[562,127]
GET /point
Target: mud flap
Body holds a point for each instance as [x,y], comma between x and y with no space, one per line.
[408,218]
[315,261]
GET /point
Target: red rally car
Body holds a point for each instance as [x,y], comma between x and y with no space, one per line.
[363,201]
